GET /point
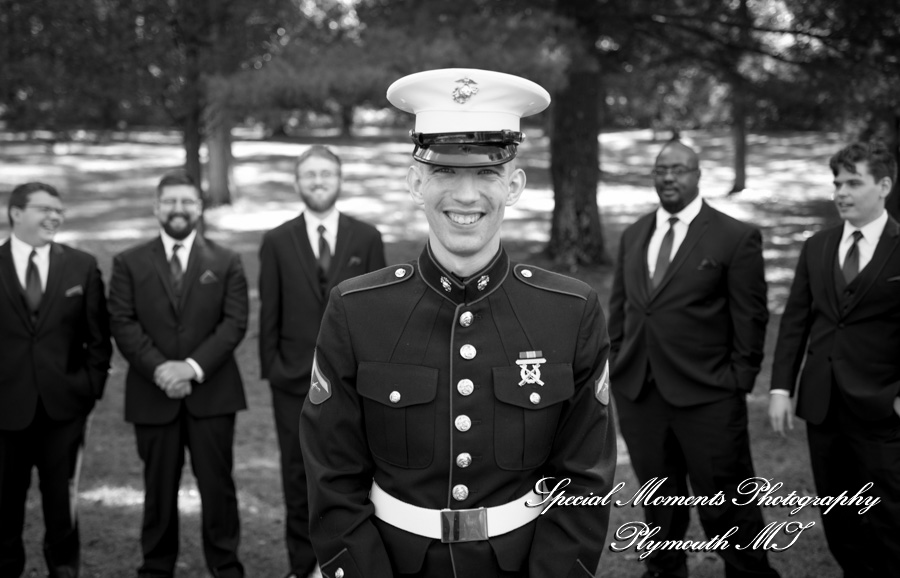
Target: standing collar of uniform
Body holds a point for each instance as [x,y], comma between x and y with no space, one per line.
[685,215]
[468,290]
[187,243]
[22,250]
[330,221]
[871,232]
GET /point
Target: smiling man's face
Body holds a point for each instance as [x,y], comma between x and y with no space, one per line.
[464,207]
[39,221]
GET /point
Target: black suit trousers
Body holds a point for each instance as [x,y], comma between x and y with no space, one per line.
[162,449]
[707,444]
[53,447]
[846,453]
[286,407]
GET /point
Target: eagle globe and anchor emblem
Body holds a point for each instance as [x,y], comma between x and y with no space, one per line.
[467,89]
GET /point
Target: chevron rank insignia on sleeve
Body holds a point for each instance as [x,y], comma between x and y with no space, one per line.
[601,387]
[319,387]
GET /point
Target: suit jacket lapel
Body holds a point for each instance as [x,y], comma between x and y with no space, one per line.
[195,261]
[305,253]
[11,284]
[695,232]
[827,263]
[161,264]
[636,258]
[883,250]
[55,274]
[339,260]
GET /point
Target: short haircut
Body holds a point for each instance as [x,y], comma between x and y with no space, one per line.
[175,178]
[875,153]
[21,194]
[320,151]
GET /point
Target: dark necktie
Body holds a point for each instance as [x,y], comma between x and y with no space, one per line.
[33,291]
[176,269]
[324,251]
[851,260]
[665,253]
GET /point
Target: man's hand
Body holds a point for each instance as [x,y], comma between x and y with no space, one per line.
[781,411]
[179,390]
[168,374]
[897,405]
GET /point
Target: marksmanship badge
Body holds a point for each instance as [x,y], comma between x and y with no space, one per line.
[467,89]
[533,375]
[319,387]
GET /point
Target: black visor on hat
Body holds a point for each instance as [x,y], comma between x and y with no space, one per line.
[467,149]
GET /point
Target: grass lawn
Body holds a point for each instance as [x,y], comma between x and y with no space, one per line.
[109,190]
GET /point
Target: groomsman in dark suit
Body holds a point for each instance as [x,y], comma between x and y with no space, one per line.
[687,323]
[843,315]
[300,261]
[179,306]
[54,357]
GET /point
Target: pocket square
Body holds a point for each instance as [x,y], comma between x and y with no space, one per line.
[354,260]
[76,290]
[208,277]
[708,263]
[894,278]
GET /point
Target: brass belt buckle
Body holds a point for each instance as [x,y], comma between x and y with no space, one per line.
[464,525]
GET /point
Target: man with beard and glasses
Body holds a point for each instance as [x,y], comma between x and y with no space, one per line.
[300,261]
[54,357]
[446,388]
[178,307]
[687,322]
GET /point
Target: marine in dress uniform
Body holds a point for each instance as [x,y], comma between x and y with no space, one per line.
[444,389]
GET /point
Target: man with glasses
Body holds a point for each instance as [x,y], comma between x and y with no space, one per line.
[687,324]
[54,357]
[299,263]
[178,307]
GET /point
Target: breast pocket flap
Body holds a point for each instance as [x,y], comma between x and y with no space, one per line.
[558,385]
[397,385]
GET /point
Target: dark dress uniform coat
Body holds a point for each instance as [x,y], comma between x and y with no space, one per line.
[395,353]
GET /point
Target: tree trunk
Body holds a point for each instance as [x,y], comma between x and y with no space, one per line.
[576,235]
[739,134]
[347,120]
[892,203]
[218,123]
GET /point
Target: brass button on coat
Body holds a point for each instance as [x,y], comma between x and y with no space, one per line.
[395,396]
[468,351]
[460,492]
[464,460]
[463,423]
[466,319]
[465,387]
[535,398]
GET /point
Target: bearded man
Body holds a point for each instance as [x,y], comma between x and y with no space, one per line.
[300,261]
[178,308]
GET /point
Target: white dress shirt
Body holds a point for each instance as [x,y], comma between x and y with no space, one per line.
[330,222]
[866,246]
[21,254]
[685,217]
